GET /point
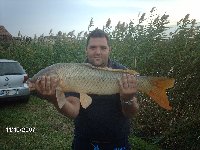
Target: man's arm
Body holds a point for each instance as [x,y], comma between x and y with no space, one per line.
[71,107]
[130,108]
[128,98]
[45,88]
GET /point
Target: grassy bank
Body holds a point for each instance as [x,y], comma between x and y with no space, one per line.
[51,129]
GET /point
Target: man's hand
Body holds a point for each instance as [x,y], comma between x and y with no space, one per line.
[44,85]
[128,90]
[127,87]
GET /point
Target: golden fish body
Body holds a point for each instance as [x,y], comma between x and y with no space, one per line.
[86,79]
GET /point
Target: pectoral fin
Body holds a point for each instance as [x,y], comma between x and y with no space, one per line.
[85,100]
[61,99]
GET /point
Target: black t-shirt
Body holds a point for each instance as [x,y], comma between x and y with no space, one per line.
[103,119]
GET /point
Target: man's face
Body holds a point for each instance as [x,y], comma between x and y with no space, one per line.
[98,51]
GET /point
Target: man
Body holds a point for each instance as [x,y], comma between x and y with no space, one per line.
[104,124]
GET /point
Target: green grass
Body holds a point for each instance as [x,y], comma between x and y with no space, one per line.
[52,130]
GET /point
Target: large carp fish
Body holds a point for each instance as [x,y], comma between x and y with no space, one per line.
[86,79]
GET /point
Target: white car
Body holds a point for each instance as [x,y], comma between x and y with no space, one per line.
[13,81]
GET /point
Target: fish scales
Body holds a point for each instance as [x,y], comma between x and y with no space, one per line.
[87,79]
[83,78]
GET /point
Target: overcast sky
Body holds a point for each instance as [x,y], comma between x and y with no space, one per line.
[39,16]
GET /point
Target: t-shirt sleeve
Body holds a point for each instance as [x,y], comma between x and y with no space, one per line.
[116,65]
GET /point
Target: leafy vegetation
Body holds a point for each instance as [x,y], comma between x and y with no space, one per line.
[145,47]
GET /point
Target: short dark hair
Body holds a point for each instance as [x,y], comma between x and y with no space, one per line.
[97,33]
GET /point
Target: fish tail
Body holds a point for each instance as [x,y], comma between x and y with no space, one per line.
[158,90]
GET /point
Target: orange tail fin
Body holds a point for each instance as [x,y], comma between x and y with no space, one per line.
[158,90]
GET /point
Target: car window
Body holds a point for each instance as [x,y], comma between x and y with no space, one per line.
[11,68]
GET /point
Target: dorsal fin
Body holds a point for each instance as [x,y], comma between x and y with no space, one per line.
[133,72]
[88,65]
